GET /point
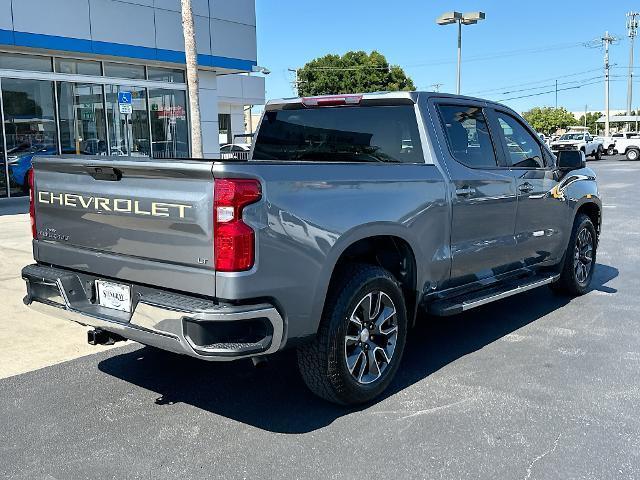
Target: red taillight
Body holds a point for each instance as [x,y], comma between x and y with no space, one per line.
[32,202]
[234,240]
[332,101]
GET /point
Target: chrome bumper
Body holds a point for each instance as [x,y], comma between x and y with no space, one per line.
[159,318]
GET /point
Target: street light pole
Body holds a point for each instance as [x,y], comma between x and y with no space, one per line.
[461,19]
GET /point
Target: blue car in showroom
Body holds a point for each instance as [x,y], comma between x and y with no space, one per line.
[19,162]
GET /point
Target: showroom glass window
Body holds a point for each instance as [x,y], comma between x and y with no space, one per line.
[29,125]
[18,61]
[132,137]
[169,127]
[224,126]
[82,120]
[78,67]
[169,75]
[124,70]
[3,168]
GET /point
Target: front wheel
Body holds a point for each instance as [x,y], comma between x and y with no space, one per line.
[598,153]
[579,259]
[611,151]
[361,338]
[633,154]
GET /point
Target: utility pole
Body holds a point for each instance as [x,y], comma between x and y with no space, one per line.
[295,83]
[556,94]
[191,53]
[607,40]
[632,29]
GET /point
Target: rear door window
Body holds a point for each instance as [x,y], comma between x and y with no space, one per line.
[468,136]
[342,134]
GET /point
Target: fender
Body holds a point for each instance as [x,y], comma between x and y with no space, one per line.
[345,241]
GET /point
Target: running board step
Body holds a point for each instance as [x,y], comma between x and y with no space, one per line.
[462,303]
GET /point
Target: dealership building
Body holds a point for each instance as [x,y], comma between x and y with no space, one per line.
[63,64]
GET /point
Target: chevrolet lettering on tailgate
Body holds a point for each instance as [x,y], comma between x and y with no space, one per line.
[115,205]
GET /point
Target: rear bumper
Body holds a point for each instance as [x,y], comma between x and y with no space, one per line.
[178,323]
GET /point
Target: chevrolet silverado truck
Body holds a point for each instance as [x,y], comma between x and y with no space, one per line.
[353,214]
[579,140]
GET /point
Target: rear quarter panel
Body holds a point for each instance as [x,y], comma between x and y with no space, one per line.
[310,213]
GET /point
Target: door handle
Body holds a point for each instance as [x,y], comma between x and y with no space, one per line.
[525,188]
[465,191]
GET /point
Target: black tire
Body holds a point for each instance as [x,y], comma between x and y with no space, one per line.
[598,154]
[632,154]
[323,362]
[611,151]
[569,281]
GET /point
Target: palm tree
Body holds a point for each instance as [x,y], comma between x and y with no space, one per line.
[191,53]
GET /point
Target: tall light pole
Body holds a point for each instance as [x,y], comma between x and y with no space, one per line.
[461,19]
[632,29]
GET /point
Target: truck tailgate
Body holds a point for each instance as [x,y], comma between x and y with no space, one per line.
[143,220]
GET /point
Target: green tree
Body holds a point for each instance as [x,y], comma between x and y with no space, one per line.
[591,121]
[353,72]
[548,119]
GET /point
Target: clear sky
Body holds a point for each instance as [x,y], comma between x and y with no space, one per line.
[520,42]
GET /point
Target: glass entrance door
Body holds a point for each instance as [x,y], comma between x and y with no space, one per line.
[128,134]
[82,121]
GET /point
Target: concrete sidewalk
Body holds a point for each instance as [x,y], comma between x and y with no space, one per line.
[28,340]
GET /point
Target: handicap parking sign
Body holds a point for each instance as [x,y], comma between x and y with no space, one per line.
[124,101]
[124,97]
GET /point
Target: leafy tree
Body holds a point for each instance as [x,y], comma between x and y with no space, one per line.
[591,121]
[353,72]
[548,119]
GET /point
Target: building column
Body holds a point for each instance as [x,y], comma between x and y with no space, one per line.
[237,123]
[209,114]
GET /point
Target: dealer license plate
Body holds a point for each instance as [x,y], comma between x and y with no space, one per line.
[114,295]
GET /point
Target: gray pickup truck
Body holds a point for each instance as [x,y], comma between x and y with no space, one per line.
[354,213]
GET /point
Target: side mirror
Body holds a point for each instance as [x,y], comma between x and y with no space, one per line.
[571,160]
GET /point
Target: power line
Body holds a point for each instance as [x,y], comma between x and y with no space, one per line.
[547,92]
[537,81]
[508,92]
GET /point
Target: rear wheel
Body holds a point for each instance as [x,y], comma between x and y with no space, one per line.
[361,337]
[611,150]
[633,154]
[579,259]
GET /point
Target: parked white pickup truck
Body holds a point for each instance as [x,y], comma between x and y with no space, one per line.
[628,145]
[579,140]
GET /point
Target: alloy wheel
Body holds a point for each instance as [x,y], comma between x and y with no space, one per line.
[371,336]
[583,256]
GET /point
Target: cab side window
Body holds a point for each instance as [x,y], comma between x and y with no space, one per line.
[522,148]
[468,135]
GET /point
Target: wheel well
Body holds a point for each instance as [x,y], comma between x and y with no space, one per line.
[393,254]
[593,212]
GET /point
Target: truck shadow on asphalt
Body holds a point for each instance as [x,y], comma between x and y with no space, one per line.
[274,397]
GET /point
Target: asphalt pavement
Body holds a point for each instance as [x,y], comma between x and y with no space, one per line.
[535,386]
